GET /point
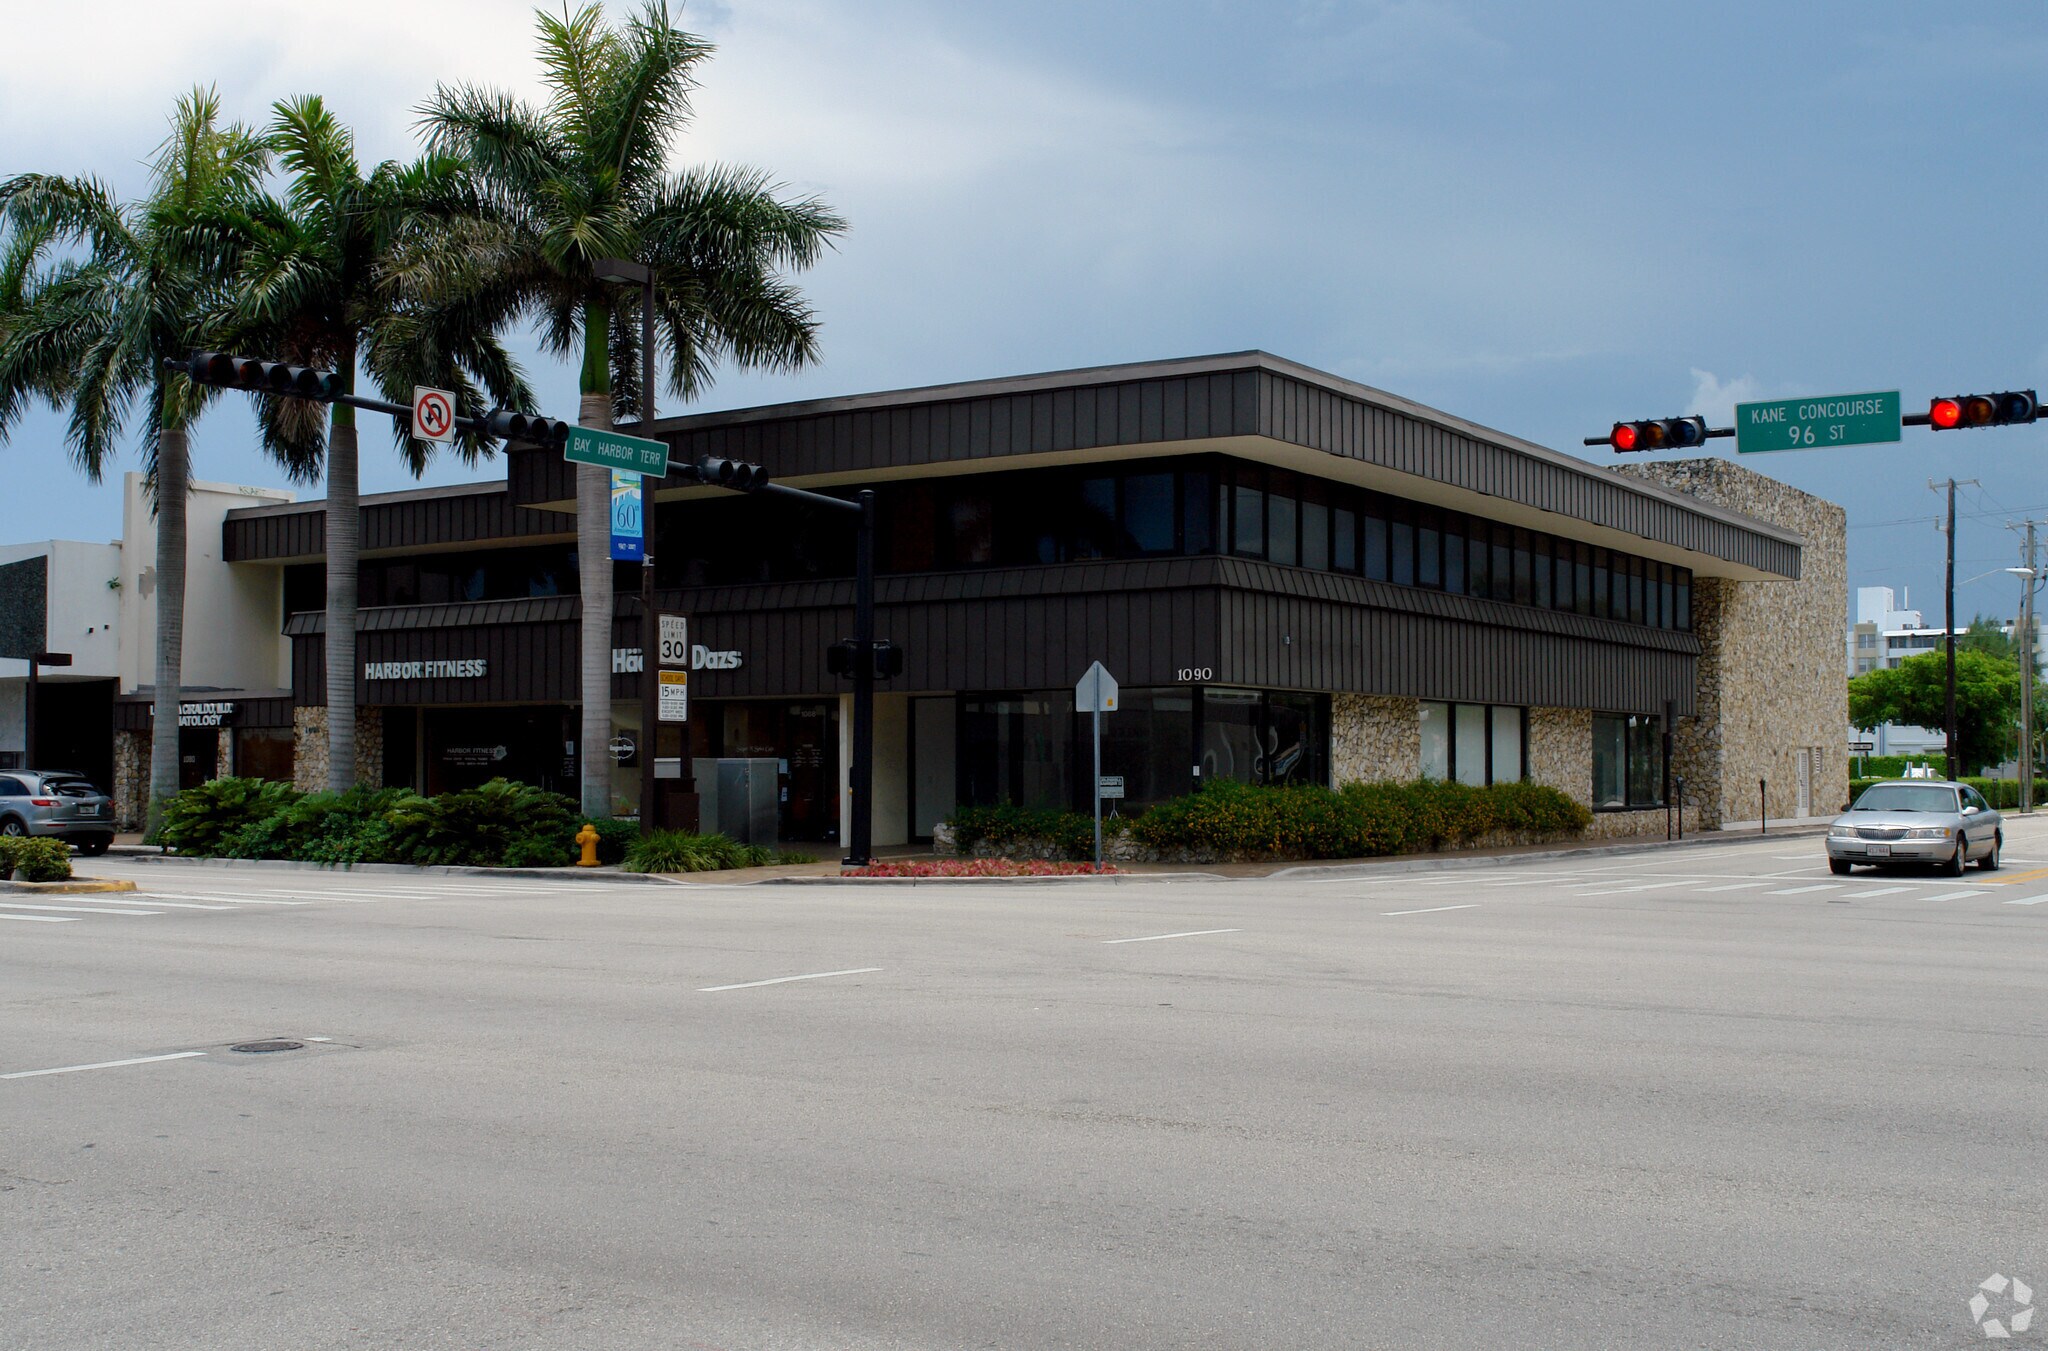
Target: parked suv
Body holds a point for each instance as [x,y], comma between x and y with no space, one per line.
[56,803]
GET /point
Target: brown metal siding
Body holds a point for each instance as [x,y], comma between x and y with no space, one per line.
[1037,628]
[457,517]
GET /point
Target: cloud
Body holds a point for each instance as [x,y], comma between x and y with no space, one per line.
[1714,399]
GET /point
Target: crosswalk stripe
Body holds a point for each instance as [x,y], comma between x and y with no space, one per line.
[1801,891]
[1736,886]
[1622,891]
[223,900]
[1953,896]
[132,898]
[41,919]
[71,909]
[1880,891]
[2029,900]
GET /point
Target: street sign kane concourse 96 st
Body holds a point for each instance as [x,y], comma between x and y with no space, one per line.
[1817,423]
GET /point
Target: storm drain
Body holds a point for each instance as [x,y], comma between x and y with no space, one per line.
[274,1044]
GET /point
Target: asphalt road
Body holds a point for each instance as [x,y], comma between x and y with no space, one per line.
[1704,1098]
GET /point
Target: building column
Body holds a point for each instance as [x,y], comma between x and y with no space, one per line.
[1374,739]
[131,779]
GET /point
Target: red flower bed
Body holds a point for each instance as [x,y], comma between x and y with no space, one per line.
[975,867]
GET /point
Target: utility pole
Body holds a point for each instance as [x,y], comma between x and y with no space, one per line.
[1948,721]
[2032,580]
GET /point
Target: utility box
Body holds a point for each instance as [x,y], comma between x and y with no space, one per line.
[741,799]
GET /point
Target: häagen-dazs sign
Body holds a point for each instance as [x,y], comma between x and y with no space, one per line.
[469,668]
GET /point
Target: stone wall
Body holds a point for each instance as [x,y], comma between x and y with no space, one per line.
[1771,684]
[131,779]
[309,748]
[1560,751]
[1374,738]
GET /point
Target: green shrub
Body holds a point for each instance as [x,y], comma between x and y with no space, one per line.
[614,838]
[10,848]
[481,826]
[41,859]
[2003,794]
[1068,834]
[197,820]
[1228,819]
[340,828]
[679,851]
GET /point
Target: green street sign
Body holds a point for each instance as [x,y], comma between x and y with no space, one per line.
[1813,424]
[610,450]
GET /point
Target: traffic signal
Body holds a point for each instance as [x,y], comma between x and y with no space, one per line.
[546,432]
[223,371]
[735,474]
[1983,410]
[843,659]
[1672,433]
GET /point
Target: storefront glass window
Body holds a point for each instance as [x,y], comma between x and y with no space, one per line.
[264,753]
[1295,737]
[1230,735]
[1468,743]
[1506,749]
[1017,749]
[1436,740]
[1150,741]
[1628,761]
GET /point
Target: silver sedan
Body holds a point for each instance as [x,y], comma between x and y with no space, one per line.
[1918,821]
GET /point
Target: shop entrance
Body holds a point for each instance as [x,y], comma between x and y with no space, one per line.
[801,737]
[198,755]
[465,747]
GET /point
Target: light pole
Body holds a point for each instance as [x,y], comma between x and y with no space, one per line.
[2029,579]
[626,272]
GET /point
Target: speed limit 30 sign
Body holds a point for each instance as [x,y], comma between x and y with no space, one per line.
[675,641]
[433,414]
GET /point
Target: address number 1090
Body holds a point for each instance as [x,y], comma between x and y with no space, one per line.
[1187,674]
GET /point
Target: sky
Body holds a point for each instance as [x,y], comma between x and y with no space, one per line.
[1543,218]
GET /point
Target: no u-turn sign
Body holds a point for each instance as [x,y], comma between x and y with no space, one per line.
[433,414]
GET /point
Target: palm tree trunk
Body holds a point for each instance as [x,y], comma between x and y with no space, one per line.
[173,480]
[594,568]
[344,545]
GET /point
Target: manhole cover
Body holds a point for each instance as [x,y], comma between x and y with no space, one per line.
[275,1044]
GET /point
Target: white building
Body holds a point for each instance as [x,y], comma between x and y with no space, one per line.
[97,602]
[1884,634]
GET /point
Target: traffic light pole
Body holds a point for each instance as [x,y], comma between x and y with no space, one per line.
[860,852]
[1949,594]
[650,664]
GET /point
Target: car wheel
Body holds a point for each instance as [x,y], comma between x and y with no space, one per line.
[94,847]
[1954,867]
[1839,867]
[1989,863]
[13,826]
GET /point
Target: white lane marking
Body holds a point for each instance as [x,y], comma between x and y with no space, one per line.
[784,980]
[2031,900]
[41,919]
[136,897]
[1953,896]
[72,909]
[1431,910]
[1801,891]
[1154,938]
[1880,891]
[1737,886]
[1645,886]
[223,900]
[103,1065]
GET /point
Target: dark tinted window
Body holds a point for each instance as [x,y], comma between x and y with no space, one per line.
[1429,548]
[1402,543]
[1148,512]
[1283,544]
[10,787]
[1315,524]
[1248,514]
[1198,505]
[1376,547]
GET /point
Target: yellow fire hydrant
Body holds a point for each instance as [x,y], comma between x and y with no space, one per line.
[587,837]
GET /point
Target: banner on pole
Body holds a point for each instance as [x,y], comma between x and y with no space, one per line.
[629,544]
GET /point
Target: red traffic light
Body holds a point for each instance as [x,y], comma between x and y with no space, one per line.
[1944,414]
[2008,408]
[1624,436]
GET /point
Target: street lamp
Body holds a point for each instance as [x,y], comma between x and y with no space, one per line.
[2031,579]
[626,272]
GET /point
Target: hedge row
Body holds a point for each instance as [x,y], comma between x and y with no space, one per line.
[500,824]
[2000,793]
[1230,820]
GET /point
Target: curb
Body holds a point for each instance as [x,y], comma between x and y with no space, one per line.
[1448,862]
[138,853]
[1118,879]
[77,886]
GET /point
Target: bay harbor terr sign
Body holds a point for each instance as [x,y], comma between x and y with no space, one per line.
[468,668]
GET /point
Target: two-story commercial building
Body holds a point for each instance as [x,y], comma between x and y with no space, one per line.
[1295,578]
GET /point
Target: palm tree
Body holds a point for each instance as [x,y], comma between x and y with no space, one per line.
[586,177]
[100,294]
[321,285]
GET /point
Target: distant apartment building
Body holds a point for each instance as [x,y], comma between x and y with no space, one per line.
[1885,633]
